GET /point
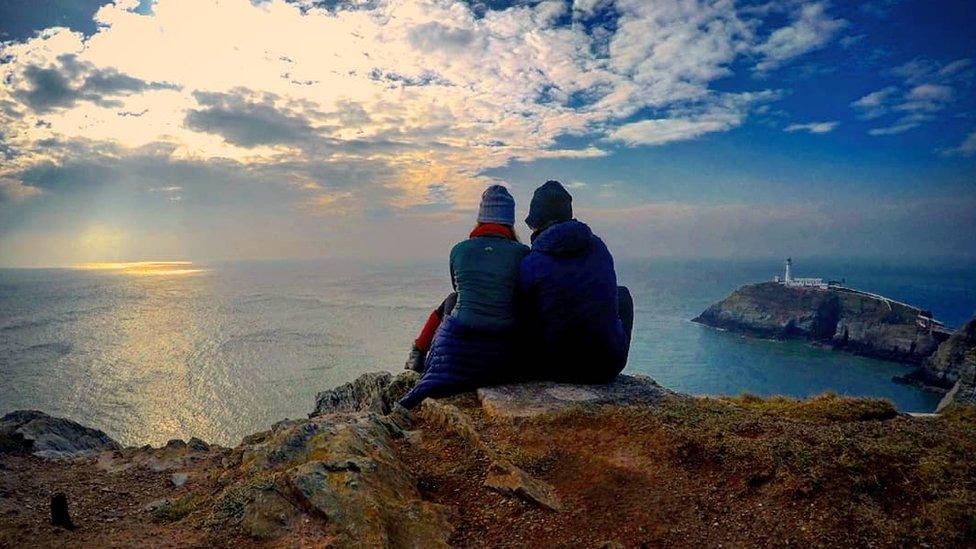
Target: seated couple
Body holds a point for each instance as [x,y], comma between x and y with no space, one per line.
[549,312]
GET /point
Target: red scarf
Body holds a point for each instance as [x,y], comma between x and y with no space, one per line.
[493,229]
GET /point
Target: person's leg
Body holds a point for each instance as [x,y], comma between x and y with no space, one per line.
[625,308]
[418,353]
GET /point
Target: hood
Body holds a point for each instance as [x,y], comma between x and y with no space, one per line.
[566,238]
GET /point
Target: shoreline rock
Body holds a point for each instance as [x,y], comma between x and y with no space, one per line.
[50,437]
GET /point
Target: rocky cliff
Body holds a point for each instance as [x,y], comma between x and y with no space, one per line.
[955,362]
[624,464]
[852,321]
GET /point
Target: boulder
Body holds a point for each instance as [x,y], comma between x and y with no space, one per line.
[52,437]
[540,397]
[340,468]
[372,392]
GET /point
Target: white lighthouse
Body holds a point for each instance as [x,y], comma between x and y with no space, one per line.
[790,281]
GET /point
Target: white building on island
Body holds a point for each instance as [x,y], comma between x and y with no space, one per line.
[789,280]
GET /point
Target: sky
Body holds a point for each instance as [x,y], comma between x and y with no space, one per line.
[248,129]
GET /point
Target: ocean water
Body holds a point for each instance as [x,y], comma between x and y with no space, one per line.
[227,351]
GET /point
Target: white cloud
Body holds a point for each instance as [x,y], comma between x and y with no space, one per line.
[714,115]
[874,104]
[812,28]
[928,88]
[893,129]
[412,92]
[812,127]
[966,148]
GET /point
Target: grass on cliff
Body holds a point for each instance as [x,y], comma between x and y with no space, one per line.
[897,477]
[829,470]
[827,407]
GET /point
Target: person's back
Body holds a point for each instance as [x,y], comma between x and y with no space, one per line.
[575,328]
[484,269]
[474,330]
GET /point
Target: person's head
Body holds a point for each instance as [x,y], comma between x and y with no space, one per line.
[550,204]
[497,206]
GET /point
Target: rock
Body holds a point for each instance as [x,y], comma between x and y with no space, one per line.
[53,437]
[59,511]
[268,515]
[373,392]
[178,479]
[156,504]
[198,445]
[957,357]
[340,468]
[531,399]
[503,476]
[507,479]
[845,319]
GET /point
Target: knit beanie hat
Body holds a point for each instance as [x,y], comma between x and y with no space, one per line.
[550,204]
[497,206]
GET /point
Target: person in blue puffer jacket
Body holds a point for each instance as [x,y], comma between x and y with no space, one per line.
[469,341]
[577,321]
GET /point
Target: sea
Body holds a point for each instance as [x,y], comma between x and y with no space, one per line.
[226,349]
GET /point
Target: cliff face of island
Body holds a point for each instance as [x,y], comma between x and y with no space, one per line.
[844,319]
[625,464]
[955,362]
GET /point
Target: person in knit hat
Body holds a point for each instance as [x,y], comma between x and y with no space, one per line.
[577,321]
[469,341]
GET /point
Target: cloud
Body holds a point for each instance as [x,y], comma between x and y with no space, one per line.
[245,122]
[874,104]
[379,105]
[966,148]
[893,129]
[812,28]
[68,81]
[715,115]
[12,190]
[928,87]
[812,127]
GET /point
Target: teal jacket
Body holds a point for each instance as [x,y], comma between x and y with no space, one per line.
[484,271]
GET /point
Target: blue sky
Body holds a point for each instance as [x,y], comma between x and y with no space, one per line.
[204,130]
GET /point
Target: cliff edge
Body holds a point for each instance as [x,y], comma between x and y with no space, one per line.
[845,319]
[625,464]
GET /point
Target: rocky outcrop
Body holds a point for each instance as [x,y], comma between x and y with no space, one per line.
[50,437]
[844,319]
[954,356]
[956,361]
[540,397]
[374,392]
[338,468]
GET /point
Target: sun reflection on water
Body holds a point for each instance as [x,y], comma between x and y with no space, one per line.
[144,268]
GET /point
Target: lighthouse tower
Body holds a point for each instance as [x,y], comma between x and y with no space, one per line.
[788,275]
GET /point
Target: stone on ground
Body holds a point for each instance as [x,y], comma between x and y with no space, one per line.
[372,392]
[507,479]
[540,397]
[52,437]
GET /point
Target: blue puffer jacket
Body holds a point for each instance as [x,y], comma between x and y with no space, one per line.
[568,293]
[475,345]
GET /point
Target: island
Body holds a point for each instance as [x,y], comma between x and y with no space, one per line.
[829,314]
